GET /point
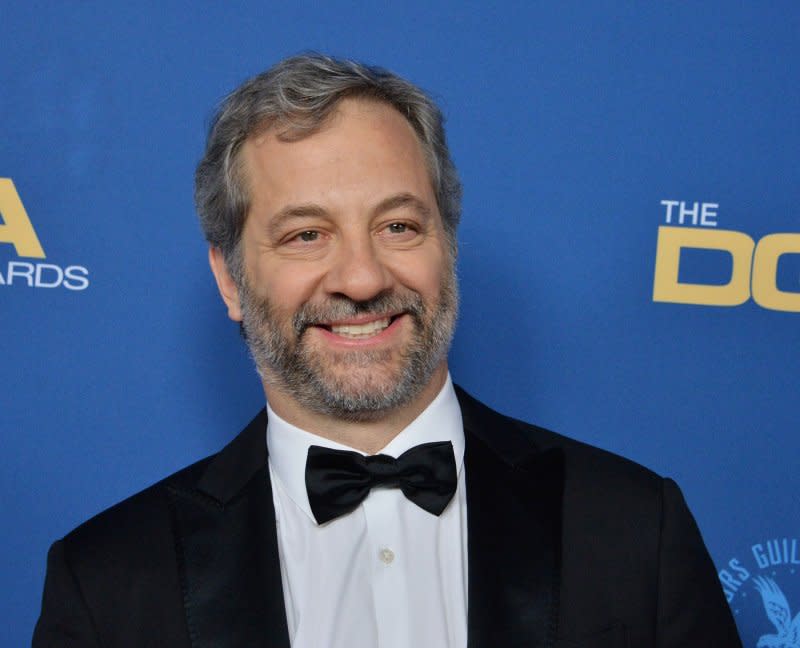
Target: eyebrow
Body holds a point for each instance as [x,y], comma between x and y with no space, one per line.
[291,212]
[312,210]
[404,199]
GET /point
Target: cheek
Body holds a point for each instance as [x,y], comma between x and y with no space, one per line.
[425,275]
[285,285]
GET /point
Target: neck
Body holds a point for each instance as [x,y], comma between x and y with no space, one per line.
[369,436]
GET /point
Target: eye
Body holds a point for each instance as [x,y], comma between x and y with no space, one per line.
[303,241]
[402,232]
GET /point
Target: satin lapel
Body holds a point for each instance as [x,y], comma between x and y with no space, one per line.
[228,547]
[514,496]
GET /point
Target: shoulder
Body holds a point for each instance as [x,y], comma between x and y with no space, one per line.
[144,523]
[588,470]
[135,527]
[591,464]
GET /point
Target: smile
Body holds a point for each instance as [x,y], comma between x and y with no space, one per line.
[367,329]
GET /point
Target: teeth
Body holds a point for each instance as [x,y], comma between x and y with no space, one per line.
[361,330]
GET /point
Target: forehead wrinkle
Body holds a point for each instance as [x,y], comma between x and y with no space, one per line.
[269,134]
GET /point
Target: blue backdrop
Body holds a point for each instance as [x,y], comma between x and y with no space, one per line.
[580,129]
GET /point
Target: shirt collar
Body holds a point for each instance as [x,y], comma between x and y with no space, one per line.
[288,445]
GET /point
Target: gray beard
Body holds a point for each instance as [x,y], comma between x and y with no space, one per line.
[287,362]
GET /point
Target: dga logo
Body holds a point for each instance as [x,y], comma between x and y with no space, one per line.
[754,269]
[16,229]
[759,588]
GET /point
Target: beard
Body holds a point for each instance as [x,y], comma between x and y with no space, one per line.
[352,385]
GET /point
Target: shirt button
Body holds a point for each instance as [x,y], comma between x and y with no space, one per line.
[386,555]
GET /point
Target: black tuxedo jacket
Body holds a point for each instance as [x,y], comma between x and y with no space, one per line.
[569,547]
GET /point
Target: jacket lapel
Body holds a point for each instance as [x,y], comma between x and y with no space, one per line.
[228,548]
[514,494]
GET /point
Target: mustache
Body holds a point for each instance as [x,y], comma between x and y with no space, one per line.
[339,308]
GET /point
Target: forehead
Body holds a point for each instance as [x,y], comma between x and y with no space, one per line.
[363,144]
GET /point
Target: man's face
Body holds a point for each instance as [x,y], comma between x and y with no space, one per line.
[349,298]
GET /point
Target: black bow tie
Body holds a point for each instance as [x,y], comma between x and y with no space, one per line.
[339,480]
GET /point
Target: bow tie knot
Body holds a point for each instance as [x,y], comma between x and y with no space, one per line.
[382,469]
[337,481]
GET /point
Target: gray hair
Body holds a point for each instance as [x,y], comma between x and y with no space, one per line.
[296,96]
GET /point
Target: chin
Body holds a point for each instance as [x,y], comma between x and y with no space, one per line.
[367,396]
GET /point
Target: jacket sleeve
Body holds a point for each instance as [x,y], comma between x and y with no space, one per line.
[65,621]
[692,611]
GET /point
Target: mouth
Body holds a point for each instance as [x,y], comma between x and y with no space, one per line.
[360,330]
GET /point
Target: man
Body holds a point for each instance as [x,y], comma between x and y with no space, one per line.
[372,503]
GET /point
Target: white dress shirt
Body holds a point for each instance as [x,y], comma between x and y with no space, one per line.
[386,575]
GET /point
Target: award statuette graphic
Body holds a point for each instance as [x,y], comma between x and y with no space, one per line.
[763,589]
[777,607]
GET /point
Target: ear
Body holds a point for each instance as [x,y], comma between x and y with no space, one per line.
[225,283]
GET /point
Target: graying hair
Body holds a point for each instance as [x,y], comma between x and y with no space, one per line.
[296,96]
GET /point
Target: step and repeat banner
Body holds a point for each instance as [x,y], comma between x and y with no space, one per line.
[629,251]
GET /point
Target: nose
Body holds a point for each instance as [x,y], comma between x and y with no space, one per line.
[357,270]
